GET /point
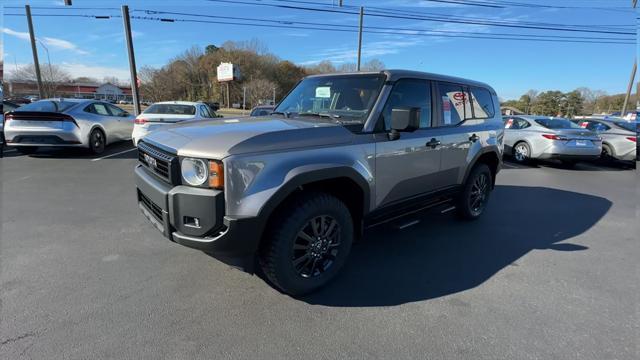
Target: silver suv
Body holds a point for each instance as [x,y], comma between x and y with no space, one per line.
[291,191]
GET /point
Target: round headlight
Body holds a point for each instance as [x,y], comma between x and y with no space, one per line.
[194,171]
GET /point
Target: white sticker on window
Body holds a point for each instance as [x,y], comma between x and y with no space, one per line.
[323,92]
[446,110]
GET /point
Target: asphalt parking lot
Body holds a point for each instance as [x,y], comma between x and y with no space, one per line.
[550,272]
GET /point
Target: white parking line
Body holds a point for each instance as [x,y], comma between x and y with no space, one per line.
[112,155]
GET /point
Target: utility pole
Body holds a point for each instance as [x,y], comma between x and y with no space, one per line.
[634,3]
[274,96]
[244,99]
[34,50]
[360,38]
[132,59]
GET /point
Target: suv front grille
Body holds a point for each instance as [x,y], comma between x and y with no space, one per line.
[161,163]
[151,206]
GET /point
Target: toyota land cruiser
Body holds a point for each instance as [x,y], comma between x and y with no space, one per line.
[290,192]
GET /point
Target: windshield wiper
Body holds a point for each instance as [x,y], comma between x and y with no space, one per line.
[325,115]
[285,114]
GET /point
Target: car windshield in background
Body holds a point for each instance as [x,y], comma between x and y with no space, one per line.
[47,106]
[346,98]
[171,109]
[557,124]
[627,125]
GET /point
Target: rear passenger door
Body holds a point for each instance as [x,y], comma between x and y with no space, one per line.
[462,112]
[406,167]
[101,114]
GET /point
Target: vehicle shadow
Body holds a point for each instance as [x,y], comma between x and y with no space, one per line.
[112,151]
[443,255]
[598,165]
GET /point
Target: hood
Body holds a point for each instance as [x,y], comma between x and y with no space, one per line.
[219,138]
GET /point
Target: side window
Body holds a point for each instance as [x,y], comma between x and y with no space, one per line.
[597,126]
[523,124]
[100,109]
[204,111]
[456,106]
[90,109]
[482,103]
[115,111]
[414,93]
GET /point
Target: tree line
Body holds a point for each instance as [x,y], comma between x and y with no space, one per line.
[581,101]
[192,74]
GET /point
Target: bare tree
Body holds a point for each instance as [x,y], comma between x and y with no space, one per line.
[260,91]
[52,77]
[373,65]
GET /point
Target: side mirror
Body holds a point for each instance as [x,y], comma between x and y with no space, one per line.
[404,120]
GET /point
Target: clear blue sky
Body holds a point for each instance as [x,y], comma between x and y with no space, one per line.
[91,47]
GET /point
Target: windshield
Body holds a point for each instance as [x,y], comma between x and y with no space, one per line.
[172,109]
[557,123]
[627,125]
[47,106]
[347,97]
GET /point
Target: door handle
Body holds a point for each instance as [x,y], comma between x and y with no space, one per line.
[433,143]
[474,138]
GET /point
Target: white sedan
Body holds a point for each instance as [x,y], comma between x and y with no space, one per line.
[162,114]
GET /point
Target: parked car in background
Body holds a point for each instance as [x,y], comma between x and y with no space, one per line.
[292,190]
[619,137]
[262,110]
[8,106]
[162,114]
[66,123]
[528,137]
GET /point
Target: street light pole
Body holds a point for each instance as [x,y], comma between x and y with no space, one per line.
[34,50]
[634,3]
[360,37]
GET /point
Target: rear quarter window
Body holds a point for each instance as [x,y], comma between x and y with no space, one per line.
[482,103]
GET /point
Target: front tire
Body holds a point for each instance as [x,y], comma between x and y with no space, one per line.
[475,195]
[607,153]
[307,243]
[97,141]
[522,152]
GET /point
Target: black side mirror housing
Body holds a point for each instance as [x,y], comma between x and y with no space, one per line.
[404,119]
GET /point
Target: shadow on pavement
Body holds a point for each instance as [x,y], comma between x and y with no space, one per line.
[598,165]
[443,255]
[77,153]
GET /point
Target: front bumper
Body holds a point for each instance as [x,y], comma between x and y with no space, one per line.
[170,207]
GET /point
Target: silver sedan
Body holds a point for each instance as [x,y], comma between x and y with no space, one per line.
[618,136]
[67,123]
[529,137]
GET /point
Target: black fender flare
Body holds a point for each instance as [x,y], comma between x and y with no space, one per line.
[306,177]
[474,161]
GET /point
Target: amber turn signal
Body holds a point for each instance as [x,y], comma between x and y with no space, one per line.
[216,174]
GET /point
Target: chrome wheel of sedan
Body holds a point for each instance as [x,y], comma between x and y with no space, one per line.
[521,152]
[316,246]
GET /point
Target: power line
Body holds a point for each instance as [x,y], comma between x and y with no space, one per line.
[408,17]
[396,32]
[409,30]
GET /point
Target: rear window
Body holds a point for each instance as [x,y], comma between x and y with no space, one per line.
[47,106]
[631,126]
[172,109]
[557,124]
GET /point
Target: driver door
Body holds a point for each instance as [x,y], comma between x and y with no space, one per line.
[407,167]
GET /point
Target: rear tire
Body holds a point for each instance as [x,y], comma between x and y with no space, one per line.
[307,243]
[607,153]
[97,141]
[475,195]
[26,150]
[522,152]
